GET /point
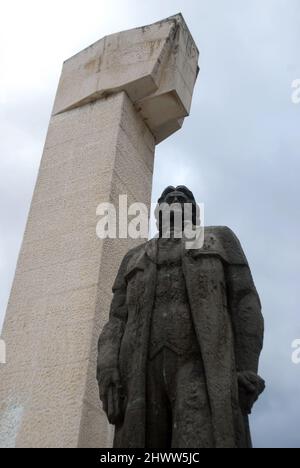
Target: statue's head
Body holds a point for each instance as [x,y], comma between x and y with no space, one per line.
[174,200]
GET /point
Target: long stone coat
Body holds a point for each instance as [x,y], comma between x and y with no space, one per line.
[227,317]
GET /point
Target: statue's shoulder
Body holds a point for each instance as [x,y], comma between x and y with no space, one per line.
[220,232]
[136,251]
[128,262]
[224,241]
[133,255]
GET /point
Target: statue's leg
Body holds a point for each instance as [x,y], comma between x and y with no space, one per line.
[158,414]
[192,424]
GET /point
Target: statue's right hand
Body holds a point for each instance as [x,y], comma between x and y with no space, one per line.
[110,391]
[251,386]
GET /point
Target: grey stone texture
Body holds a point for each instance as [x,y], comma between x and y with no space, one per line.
[178,357]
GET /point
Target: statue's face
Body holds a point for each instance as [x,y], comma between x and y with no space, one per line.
[176,198]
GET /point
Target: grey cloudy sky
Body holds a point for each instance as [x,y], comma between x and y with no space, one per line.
[238,151]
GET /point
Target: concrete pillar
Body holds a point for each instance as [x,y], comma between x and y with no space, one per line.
[116,100]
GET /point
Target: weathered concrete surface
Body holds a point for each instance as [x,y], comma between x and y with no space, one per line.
[156,65]
[63,280]
[99,145]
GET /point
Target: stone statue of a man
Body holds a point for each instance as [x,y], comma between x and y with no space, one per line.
[178,358]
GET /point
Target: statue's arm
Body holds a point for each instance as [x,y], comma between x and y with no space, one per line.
[109,346]
[246,316]
[247,320]
[248,328]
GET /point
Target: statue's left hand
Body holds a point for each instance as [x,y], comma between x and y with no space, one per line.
[251,386]
[111,395]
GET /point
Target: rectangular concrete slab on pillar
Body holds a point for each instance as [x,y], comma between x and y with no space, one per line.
[100,144]
[156,65]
